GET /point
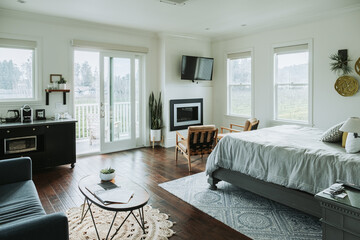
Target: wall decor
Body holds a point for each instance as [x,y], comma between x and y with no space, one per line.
[357,66]
[346,86]
[40,114]
[55,77]
[340,62]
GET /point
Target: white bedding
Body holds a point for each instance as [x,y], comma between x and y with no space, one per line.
[289,155]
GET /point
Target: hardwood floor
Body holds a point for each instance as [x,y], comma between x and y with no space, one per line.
[58,189]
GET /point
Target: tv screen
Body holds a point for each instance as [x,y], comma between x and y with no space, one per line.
[196,68]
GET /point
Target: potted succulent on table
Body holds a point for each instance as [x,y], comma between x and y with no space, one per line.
[155,117]
[62,83]
[107,174]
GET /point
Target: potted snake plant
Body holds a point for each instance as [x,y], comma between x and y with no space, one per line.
[155,108]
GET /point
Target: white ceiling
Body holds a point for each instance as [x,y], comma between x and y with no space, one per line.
[208,18]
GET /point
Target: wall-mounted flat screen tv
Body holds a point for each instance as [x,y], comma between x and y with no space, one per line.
[196,68]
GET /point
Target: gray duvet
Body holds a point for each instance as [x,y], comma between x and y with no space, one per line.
[289,155]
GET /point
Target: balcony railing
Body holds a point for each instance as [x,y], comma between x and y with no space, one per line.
[88,119]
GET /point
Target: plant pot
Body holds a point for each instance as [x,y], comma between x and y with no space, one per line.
[155,135]
[107,177]
[62,86]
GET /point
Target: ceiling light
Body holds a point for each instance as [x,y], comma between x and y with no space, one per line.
[174,2]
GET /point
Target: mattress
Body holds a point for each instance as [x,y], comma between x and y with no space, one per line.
[291,156]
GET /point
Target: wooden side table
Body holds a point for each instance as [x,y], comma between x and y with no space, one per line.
[340,217]
[64,91]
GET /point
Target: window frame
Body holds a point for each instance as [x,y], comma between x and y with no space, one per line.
[243,53]
[15,42]
[309,44]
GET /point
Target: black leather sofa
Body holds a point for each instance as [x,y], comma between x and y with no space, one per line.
[21,213]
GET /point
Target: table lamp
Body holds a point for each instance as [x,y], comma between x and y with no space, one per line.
[352,125]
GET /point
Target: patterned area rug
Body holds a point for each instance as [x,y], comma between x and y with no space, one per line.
[248,213]
[157,225]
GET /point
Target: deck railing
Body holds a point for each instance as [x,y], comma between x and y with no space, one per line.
[88,119]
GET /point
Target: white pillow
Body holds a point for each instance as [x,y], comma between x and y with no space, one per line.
[352,144]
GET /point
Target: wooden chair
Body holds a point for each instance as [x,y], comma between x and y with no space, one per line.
[250,124]
[201,140]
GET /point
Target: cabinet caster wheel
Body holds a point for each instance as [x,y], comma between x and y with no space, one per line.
[72,165]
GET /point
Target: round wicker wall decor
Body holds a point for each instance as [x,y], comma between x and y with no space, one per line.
[346,86]
[357,66]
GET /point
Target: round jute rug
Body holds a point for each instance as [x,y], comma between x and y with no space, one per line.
[157,225]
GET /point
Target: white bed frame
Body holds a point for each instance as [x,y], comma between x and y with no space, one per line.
[297,199]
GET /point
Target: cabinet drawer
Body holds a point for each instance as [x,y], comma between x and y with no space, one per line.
[20,132]
[333,233]
[342,219]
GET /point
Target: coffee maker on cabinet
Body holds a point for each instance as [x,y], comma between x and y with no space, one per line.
[26,113]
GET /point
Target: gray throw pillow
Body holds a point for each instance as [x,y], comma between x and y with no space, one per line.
[333,134]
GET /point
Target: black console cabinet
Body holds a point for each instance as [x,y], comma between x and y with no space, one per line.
[49,143]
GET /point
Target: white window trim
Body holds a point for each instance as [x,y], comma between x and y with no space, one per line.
[37,75]
[228,93]
[101,46]
[309,122]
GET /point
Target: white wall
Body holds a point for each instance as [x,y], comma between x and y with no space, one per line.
[162,61]
[55,35]
[328,36]
[171,49]
[164,57]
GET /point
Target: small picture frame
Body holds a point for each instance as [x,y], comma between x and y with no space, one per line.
[40,114]
[55,77]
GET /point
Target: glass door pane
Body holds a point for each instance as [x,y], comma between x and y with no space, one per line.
[117,93]
[118,102]
[87,101]
[137,96]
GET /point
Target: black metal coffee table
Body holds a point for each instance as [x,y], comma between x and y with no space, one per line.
[137,202]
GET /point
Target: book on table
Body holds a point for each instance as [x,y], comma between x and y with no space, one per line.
[108,193]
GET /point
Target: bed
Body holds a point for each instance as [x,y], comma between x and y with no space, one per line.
[288,164]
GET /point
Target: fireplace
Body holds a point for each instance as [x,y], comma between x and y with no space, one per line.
[20,144]
[185,113]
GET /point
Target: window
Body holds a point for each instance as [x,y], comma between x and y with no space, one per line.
[239,84]
[17,70]
[292,83]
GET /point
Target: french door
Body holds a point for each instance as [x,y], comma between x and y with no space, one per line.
[117,106]
[117,122]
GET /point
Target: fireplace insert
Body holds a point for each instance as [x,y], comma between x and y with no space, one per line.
[185,113]
[20,144]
